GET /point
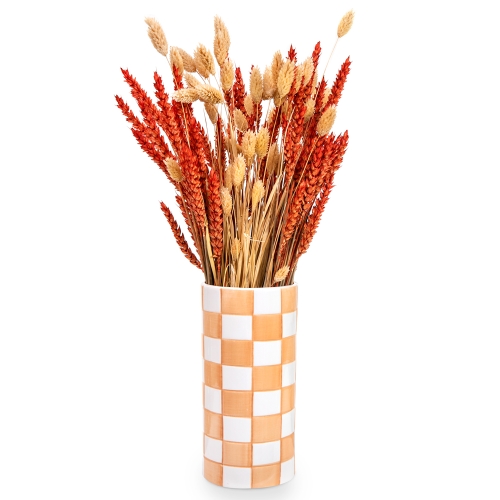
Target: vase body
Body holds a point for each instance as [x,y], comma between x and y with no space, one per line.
[249,385]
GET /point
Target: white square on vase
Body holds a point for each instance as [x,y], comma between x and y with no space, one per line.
[267,300]
[266,453]
[267,353]
[287,470]
[212,349]
[289,324]
[237,429]
[236,378]
[266,403]
[213,399]
[236,477]
[213,449]
[288,423]
[288,374]
[211,299]
[236,327]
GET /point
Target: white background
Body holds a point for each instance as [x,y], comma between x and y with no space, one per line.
[398,390]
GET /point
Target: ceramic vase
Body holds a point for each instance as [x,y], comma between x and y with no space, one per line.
[249,385]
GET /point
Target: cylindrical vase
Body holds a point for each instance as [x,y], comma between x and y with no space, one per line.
[249,385]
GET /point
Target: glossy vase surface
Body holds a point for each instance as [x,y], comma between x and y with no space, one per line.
[249,385]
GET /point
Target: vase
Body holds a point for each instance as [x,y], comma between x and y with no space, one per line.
[249,385]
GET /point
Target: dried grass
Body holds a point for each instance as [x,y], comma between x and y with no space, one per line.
[273,158]
[192,81]
[212,113]
[276,66]
[235,249]
[222,41]
[176,59]
[186,95]
[157,36]
[345,24]
[248,146]
[308,70]
[240,121]
[268,84]
[228,178]
[262,142]
[204,61]
[174,169]
[309,109]
[249,106]
[256,87]
[209,94]
[281,274]
[286,76]
[227,201]
[253,189]
[227,75]
[258,191]
[238,169]
[188,61]
[325,123]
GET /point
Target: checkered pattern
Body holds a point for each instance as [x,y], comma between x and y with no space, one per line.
[249,385]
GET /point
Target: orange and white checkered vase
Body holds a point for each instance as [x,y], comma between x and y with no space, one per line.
[249,385]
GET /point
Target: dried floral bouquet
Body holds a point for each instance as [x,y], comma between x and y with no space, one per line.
[253,190]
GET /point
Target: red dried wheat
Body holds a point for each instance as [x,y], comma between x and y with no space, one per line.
[179,237]
[215,223]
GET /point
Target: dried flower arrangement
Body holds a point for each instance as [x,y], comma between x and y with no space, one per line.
[252,190]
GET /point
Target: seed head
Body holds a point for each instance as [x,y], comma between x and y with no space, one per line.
[273,158]
[256,88]
[269,84]
[308,67]
[248,146]
[157,36]
[210,94]
[227,201]
[258,191]
[248,105]
[345,24]
[221,41]
[212,113]
[281,274]
[276,65]
[325,123]
[227,75]
[186,95]
[238,170]
[188,61]
[285,78]
[192,81]
[174,169]
[176,59]
[240,121]
[309,109]
[204,61]
[262,142]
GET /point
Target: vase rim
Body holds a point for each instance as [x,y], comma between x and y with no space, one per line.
[249,288]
